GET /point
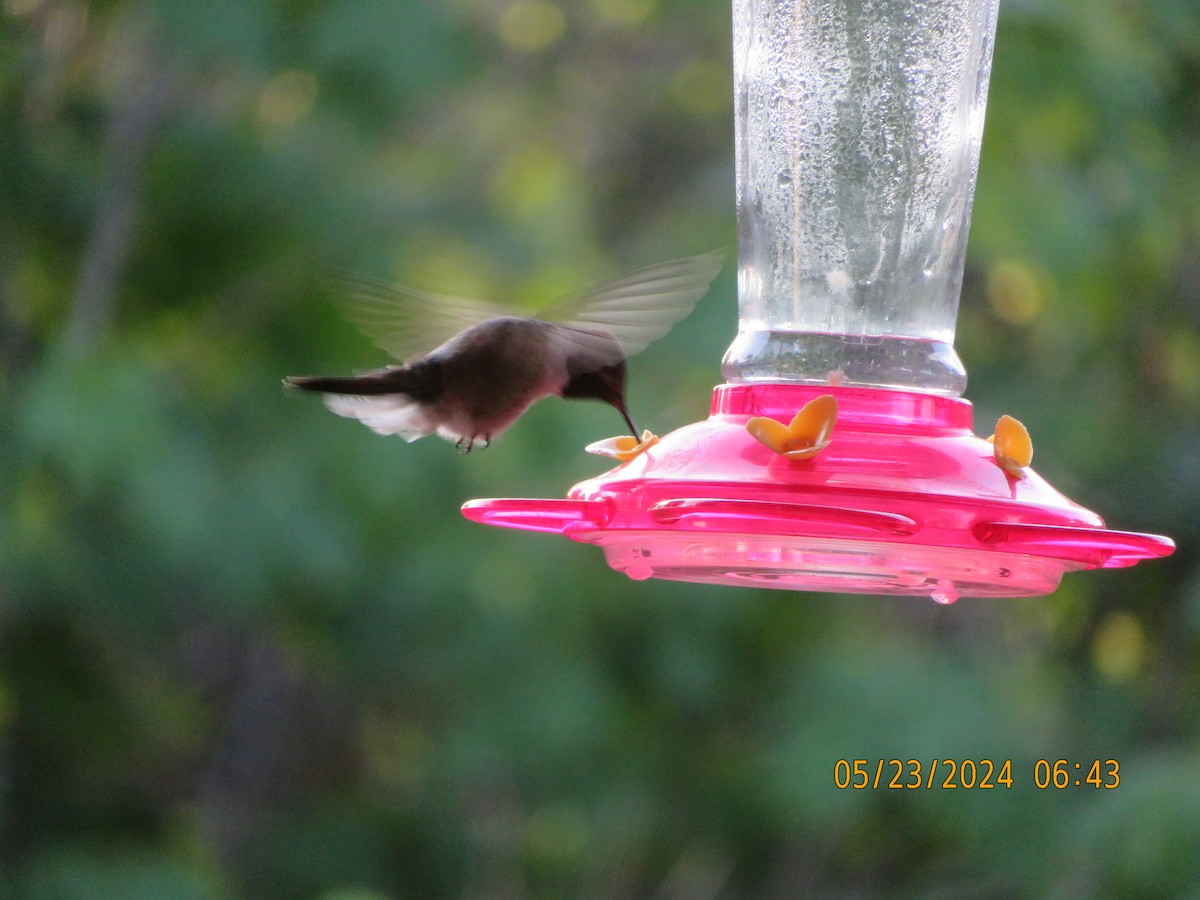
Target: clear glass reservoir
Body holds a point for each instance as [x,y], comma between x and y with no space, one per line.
[859,124]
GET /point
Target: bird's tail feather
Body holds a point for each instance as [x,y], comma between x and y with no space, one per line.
[393,414]
[381,400]
[372,384]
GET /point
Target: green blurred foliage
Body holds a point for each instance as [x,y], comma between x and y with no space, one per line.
[250,650]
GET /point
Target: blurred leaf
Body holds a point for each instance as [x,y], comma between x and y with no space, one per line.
[86,874]
[217,31]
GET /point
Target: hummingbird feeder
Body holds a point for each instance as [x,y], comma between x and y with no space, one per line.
[858,128]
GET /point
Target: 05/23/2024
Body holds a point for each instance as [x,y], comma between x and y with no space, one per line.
[974,774]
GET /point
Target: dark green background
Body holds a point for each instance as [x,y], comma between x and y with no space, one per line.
[251,650]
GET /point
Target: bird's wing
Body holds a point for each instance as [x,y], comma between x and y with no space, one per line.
[407,322]
[636,307]
[640,305]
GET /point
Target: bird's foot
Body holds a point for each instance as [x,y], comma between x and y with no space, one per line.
[467,444]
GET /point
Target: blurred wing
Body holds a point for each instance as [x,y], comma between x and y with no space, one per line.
[641,305]
[636,307]
[407,322]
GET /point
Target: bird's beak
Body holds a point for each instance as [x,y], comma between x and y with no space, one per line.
[628,420]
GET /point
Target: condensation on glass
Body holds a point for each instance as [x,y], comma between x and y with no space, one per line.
[858,131]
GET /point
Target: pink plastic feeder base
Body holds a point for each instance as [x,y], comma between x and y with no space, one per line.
[905,500]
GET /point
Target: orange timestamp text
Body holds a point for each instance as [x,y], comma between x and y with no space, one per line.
[972,774]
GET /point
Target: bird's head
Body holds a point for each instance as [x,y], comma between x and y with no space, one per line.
[606,383]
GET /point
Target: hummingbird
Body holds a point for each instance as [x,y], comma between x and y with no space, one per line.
[489,363]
